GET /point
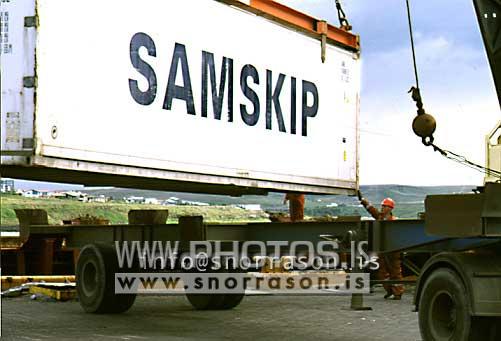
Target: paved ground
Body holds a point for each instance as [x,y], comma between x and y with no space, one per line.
[256,318]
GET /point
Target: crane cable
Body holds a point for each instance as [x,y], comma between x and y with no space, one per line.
[462,160]
[412,45]
[427,138]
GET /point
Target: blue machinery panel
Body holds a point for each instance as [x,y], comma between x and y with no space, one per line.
[410,235]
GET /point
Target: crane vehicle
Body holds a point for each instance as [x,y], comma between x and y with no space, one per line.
[458,295]
[459,288]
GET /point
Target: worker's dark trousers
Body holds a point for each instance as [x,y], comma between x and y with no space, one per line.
[390,267]
[296,210]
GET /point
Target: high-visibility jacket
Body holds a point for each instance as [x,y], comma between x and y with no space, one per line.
[378,215]
[390,264]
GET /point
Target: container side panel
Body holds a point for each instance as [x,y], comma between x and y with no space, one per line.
[17,54]
[197,87]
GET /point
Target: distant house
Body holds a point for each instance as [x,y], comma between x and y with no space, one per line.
[193,203]
[134,200]
[250,207]
[171,201]
[100,198]
[75,195]
[151,201]
[56,195]
[7,186]
[33,193]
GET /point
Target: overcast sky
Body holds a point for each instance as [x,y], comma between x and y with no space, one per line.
[455,81]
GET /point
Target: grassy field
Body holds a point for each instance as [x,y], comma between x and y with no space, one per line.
[409,201]
[116,212]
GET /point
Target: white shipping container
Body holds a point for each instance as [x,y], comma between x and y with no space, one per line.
[193,95]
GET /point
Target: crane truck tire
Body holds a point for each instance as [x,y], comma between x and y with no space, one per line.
[95,277]
[444,310]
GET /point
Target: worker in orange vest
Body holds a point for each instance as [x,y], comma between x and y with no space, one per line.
[390,265]
[296,206]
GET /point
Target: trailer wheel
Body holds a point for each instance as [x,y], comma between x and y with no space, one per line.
[214,301]
[230,301]
[205,301]
[444,308]
[95,277]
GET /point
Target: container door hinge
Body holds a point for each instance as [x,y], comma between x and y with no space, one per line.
[28,143]
[30,21]
[29,81]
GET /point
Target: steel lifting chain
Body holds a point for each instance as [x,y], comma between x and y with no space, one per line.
[343,22]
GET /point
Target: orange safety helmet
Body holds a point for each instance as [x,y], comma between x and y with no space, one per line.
[388,202]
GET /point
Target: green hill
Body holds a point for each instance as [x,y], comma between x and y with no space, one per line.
[409,199]
[116,212]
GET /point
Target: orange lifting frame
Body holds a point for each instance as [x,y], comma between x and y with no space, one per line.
[303,21]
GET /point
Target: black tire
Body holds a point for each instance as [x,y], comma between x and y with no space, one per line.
[95,277]
[216,301]
[206,301]
[444,308]
[230,301]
